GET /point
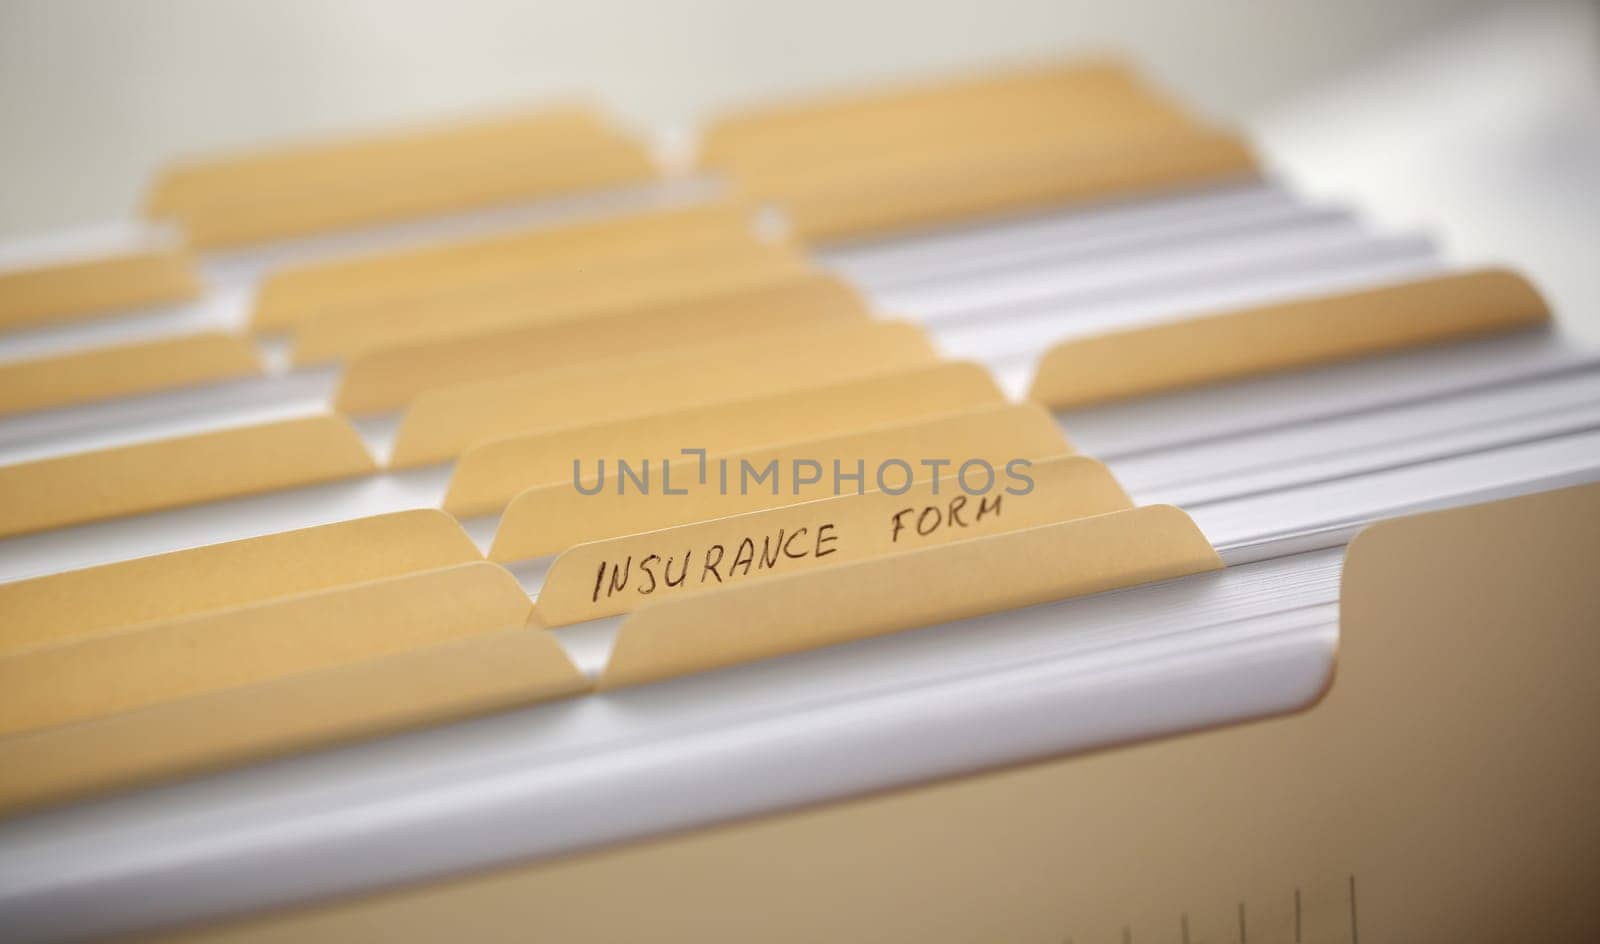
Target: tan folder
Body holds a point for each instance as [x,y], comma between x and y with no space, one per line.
[944,152]
[431,684]
[838,121]
[969,132]
[618,575]
[303,164]
[306,189]
[391,377]
[147,664]
[1442,790]
[758,620]
[186,470]
[95,600]
[125,370]
[935,191]
[183,696]
[553,515]
[489,475]
[683,273]
[362,202]
[63,291]
[441,424]
[291,296]
[1284,336]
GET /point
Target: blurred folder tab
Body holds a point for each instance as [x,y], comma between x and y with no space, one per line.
[930,191]
[608,577]
[443,423]
[554,515]
[1294,334]
[492,473]
[290,296]
[915,115]
[600,287]
[877,164]
[428,684]
[391,377]
[125,370]
[187,470]
[154,663]
[83,603]
[919,588]
[314,188]
[162,273]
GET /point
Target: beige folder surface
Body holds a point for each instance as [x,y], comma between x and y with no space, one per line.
[703,269]
[151,664]
[364,202]
[430,684]
[551,516]
[390,377]
[94,600]
[971,134]
[68,290]
[837,121]
[491,474]
[443,423]
[935,584]
[186,470]
[1286,335]
[290,295]
[298,191]
[559,282]
[935,192]
[618,575]
[1061,120]
[125,370]
[289,167]
[1442,790]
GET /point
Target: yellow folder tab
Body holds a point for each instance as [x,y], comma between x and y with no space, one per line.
[962,129]
[551,517]
[311,188]
[443,423]
[292,295]
[427,685]
[605,578]
[124,370]
[154,663]
[87,602]
[81,288]
[1283,336]
[687,272]
[390,378]
[491,474]
[733,139]
[361,202]
[773,617]
[934,192]
[983,132]
[989,136]
[188,470]
[296,165]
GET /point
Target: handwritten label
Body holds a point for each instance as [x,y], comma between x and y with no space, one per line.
[714,563]
[617,575]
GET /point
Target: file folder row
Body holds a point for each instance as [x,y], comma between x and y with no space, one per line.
[344,495]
